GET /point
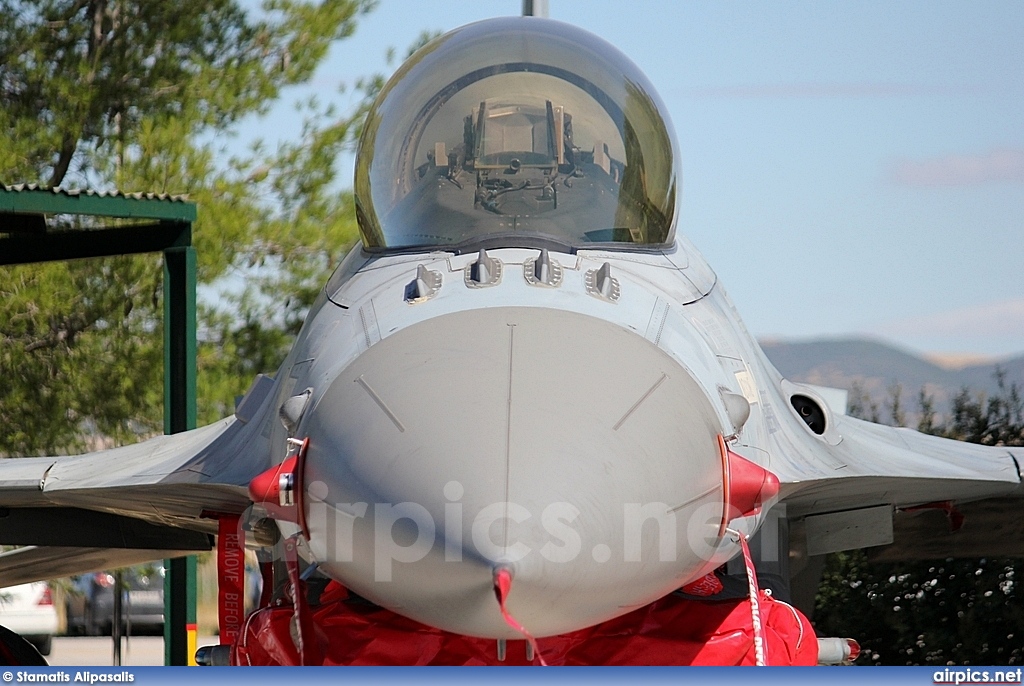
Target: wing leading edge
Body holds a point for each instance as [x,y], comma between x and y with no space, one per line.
[134,503]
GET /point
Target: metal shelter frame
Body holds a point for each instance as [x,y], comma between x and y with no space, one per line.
[144,223]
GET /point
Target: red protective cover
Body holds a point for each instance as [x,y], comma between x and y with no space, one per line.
[670,631]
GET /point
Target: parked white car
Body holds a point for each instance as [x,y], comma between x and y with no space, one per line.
[28,610]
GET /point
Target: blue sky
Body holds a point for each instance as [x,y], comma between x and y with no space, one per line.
[850,168]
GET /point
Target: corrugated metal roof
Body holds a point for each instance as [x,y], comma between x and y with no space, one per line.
[74,192]
[32,199]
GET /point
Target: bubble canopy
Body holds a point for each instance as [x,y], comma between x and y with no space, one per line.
[517,132]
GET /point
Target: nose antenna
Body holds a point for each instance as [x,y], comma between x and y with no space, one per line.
[535,8]
[502,587]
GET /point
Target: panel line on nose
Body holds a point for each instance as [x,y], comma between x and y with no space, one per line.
[508,433]
[705,492]
[380,403]
[640,402]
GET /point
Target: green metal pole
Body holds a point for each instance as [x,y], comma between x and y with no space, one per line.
[180,415]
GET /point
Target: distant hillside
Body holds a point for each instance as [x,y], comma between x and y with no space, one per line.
[876,367]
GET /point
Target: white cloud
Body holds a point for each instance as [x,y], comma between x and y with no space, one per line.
[1000,164]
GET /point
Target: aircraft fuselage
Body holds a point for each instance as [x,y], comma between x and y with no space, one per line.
[567,433]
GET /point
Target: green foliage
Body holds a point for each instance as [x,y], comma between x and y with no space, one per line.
[140,96]
[80,78]
[61,325]
[861,405]
[962,611]
[999,420]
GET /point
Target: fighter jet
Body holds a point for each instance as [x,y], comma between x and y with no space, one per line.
[523,406]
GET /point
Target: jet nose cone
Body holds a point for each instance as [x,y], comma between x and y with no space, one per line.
[568,449]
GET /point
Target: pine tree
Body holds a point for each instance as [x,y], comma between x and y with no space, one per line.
[139,96]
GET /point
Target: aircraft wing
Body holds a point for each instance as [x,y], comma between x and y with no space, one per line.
[917,496]
[32,563]
[134,503]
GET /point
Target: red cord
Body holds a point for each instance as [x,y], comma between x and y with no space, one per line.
[502,587]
